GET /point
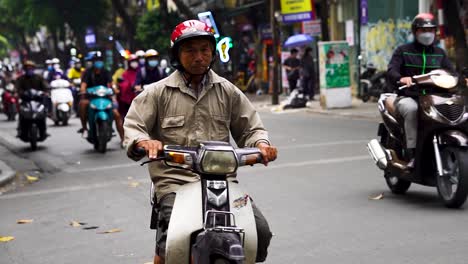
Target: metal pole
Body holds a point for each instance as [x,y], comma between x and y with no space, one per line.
[274,97]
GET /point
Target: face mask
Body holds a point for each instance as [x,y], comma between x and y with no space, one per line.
[141,61]
[98,64]
[153,63]
[56,66]
[134,64]
[29,72]
[426,38]
[50,67]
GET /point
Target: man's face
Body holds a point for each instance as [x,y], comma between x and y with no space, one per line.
[195,55]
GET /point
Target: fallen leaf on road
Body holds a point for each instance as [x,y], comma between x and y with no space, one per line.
[6,239]
[134,184]
[130,178]
[378,197]
[76,223]
[24,221]
[115,230]
[31,178]
[90,227]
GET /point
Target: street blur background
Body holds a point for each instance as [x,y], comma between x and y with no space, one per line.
[324,198]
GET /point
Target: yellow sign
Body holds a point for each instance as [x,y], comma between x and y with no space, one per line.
[295,6]
[152,4]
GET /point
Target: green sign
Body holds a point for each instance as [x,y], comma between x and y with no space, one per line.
[334,65]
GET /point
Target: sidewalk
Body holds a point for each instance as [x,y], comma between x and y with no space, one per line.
[358,109]
[6,172]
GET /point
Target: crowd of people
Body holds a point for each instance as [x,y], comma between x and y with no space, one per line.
[128,80]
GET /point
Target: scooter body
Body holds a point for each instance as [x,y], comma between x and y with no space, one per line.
[442,147]
[100,116]
[212,219]
[10,103]
[62,101]
[32,118]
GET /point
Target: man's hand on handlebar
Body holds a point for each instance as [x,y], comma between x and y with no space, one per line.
[269,153]
[152,147]
[408,81]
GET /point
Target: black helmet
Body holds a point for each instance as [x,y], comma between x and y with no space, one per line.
[423,20]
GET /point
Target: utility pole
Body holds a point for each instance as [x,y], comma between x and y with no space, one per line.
[274,33]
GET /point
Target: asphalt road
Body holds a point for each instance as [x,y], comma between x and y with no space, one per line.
[315,196]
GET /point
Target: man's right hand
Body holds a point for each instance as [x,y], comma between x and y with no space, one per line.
[152,147]
[408,81]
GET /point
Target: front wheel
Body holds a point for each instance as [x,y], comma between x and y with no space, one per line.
[102,132]
[453,185]
[33,134]
[11,112]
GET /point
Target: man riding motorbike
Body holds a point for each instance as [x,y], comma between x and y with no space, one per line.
[192,105]
[94,76]
[31,80]
[418,57]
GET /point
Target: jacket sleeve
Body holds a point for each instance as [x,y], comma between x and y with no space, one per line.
[447,65]
[140,120]
[246,126]
[138,79]
[394,67]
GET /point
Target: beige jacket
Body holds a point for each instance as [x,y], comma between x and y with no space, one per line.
[170,112]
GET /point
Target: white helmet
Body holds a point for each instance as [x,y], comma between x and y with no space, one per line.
[140,53]
[55,61]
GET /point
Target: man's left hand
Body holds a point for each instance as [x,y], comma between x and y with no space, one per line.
[269,153]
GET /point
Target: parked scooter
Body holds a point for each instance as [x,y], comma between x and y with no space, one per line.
[10,102]
[212,220]
[100,116]
[441,157]
[32,126]
[372,83]
[62,101]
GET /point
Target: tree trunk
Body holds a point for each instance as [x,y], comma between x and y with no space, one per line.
[129,24]
[163,10]
[323,15]
[456,29]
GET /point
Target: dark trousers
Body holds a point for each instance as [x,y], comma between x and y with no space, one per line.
[165,210]
[307,85]
[292,84]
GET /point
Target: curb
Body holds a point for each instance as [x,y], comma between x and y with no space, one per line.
[6,173]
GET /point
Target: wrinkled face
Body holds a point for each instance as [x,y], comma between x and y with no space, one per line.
[195,55]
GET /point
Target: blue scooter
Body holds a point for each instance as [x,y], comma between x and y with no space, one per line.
[100,116]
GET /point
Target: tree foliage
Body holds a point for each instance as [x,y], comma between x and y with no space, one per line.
[154,33]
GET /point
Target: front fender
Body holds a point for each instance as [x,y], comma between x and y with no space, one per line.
[102,115]
[453,138]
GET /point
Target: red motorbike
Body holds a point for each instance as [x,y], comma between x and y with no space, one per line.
[10,102]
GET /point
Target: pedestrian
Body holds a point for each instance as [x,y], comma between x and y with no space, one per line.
[308,73]
[292,65]
[192,105]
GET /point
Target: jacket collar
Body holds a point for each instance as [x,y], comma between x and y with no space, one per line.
[176,80]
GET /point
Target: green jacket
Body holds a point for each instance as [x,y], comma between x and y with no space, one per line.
[170,112]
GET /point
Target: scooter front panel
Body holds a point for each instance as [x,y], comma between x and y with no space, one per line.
[241,207]
[186,218]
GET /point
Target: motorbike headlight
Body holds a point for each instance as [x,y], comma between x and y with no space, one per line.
[101,92]
[219,162]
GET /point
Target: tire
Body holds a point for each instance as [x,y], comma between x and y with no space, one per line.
[453,187]
[65,122]
[33,133]
[396,185]
[365,98]
[102,132]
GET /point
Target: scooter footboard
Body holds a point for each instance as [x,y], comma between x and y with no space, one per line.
[186,218]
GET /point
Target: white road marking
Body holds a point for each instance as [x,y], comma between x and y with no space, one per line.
[108,184]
